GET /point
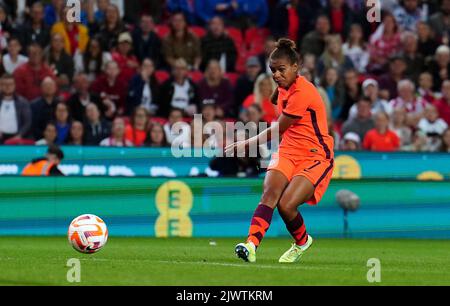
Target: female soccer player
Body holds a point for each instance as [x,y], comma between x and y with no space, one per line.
[301,170]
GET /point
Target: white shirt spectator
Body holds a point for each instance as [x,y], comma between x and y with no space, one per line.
[417,106]
[79,64]
[378,106]
[8,118]
[11,66]
[408,21]
[358,55]
[180,97]
[433,132]
[111,142]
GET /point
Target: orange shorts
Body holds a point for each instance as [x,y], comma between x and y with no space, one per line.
[317,171]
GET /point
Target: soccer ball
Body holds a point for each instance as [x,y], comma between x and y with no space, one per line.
[87,234]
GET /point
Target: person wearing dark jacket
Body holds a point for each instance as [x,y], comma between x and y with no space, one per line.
[46,166]
[15,113]
[35,30]
[146,43]
[143,90]
[217,45]
[96,128]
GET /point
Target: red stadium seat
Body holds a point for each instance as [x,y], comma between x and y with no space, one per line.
[19,142]
[232,77]
[196,76]
[255,39]
[162,30]
[159,120]
[162,76]
[198,31]
[236,35]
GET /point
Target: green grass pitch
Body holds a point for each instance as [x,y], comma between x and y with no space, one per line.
[132,261]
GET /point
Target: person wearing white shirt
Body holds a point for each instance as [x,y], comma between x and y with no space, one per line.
[13,58]
[433,127]
[117,138]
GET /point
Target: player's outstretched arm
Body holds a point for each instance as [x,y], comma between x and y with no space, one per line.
[284,122]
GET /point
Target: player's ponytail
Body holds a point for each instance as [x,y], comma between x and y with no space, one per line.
[286,48]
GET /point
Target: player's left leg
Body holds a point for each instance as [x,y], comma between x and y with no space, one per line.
[299,191]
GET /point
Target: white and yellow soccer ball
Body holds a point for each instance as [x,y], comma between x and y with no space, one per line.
[87,234]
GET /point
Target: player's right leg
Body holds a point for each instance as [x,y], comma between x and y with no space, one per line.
[274,185]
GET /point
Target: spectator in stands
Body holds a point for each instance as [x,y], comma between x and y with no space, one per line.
[111,28]
[314,42]
[415,62]
[371,91]
[76,136]
[61,62]
[262,94]
[399,125]
[440,21]
[144,90]
[335,91]
[292,18]
[187,7]
[214,86]
[179,91]
[252,13]
[117,138]
[341,17]
[96,128]
[310,64]
[427,44]
[100,13]
[207,9]
[433,127]
[62,123]
[217,45]
[419,143]
[363,122]
[136,131]
[445,147]
[50,134]
[381,138]
[443,104]
[408,15]
[440,66]
[146,43]
[15,113]
[333,57]
[93,61]
[264,58]
[350,142]
[246,83]
[352,91]
[7,29]
[35,30]
[29,76]
[383,44]
[388,82]
[425,90]
[177,131]
[156,137]
[112,87]
[82,97]
[53,12]
[208,111]
[43,108]
[414,106]
[13,58]
[75,35]
[355,48]
[181,43]
[124,57]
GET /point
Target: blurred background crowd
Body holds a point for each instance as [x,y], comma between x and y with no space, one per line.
[130,70]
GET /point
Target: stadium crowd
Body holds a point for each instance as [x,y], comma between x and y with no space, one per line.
[129,71]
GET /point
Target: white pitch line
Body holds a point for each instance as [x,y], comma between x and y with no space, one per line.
[279,267]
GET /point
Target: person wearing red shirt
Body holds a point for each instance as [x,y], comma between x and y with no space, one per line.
[443,104]
[136,132]
[29,76]
[381,138]
[111,87]
[128,63]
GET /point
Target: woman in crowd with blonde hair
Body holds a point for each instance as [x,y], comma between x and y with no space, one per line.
[263,90]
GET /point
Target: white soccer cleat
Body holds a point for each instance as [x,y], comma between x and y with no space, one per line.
[295,253]
[246,251]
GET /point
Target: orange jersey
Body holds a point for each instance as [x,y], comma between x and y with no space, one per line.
[308,137]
